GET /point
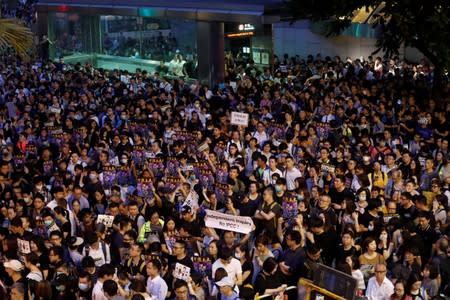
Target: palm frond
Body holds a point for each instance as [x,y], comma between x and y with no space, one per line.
[15,34]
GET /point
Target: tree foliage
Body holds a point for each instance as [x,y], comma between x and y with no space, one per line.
[15,34]
[421,24]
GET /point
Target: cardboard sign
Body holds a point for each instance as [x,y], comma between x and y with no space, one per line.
[219,220]
[192,200]
[24,246]
[327,168]
[240,119]
[107,220]
[182,272]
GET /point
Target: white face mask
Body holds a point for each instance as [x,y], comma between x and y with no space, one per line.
[237,255]
[370,228]
[124,160]
[362,197]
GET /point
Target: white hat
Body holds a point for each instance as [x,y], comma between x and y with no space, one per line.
[225,281]
[14,264]
[76,241]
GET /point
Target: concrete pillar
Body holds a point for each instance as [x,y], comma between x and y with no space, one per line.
[210,52]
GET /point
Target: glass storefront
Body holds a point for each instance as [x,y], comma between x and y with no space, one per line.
[125,42]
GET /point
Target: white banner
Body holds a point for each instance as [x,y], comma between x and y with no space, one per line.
[219,220]
[238,118]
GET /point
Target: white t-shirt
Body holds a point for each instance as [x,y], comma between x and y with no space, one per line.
[267,175]
[98,255]
[290,176]
[233,269]
[97,292]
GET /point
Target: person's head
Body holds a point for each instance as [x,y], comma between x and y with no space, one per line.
[135,251]
[270,266]
[411,254]
[317,225]
[229,237]
[348,238]
[179,249]
[13,267]
[55,254]
[313,252]
[106,272]
[380,272]
[44,290]
[213,249]
[56,238]
[424,219]
[225,286]
[293,238]
[31,259]
[84,281]
[369,244]
[261,242]
[181,289]
[324,202]
[414,282]
[242,252]
[18,291]
[154,267]
[110,288]
[225,255]
[399,288]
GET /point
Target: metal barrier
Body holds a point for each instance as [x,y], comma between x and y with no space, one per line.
[310,286]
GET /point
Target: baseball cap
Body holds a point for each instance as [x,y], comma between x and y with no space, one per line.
[225,281]
[14,264]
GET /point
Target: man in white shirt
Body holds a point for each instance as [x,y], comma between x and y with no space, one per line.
[270,171]
[105,272]
[230,264]
[260,133]
[379,287]
[291,173]
[156,286]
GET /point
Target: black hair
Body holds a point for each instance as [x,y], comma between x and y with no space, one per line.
[269,265]
[110,287]
[106,270]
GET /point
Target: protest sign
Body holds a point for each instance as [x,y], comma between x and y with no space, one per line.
[191,200]
[182,272]
[240,119]
[107,220]
[219,220]
[24,246]
[202,265]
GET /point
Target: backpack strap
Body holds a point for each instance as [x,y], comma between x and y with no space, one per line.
[103,249]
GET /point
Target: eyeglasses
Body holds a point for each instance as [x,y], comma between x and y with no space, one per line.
[181,292]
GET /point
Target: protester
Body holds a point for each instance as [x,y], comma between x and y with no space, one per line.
[107,187]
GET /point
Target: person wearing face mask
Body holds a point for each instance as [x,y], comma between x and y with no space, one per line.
[85,286]
[280,189]
[241,253]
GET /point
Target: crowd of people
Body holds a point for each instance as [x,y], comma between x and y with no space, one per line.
[24,10]
[106,179]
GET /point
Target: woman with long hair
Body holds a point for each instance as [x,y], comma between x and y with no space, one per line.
[242,253]
[170,234]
